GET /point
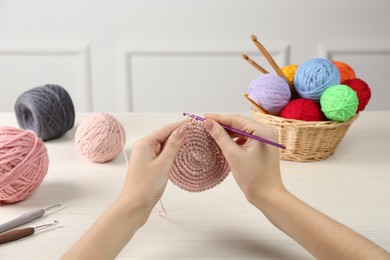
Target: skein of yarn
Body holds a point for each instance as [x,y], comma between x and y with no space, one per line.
[339,103]
[199,164]
[290,71]
[23,164]
[48,111]
[303,109]
[100,137]
[362,90]
[346,72]
[271,92]
[314,76]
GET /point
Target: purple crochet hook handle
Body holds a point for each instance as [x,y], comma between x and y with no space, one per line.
[258,138]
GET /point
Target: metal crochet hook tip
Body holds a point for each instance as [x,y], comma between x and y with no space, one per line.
[54,206]
[55,222]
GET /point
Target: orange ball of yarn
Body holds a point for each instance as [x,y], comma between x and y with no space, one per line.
[100,137]
[289,71]
[303,109]
[23,163]
[346,72]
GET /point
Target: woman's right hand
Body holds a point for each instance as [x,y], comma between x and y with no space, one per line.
[254,164]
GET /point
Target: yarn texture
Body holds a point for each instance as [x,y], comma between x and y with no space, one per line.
[362,90]
[48,111]
[346,72]
[290,71]
[303,109]
[199,164]
[100,137]
[23,164]
[314,76]
[339,103]
[271,92]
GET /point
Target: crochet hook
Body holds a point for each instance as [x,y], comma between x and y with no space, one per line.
[258,138]
[21,233]
[26,218]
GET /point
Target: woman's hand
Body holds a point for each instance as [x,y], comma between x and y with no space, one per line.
[147,176]
[150,164]
[255,165]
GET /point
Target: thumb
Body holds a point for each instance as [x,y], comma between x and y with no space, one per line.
[172,145]
[221,137]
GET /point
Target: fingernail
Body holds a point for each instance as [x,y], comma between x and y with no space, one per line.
[180,132]
[208,124]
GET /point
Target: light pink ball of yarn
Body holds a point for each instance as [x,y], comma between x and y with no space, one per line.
[100,137]
[23,163]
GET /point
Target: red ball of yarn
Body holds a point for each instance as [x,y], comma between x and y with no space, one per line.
[362,90]
[346,72]
[303,109]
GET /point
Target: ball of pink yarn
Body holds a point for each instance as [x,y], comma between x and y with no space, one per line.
[23,163]
[271,92]
[100,137]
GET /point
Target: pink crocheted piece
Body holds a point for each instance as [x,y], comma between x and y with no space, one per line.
[199,164]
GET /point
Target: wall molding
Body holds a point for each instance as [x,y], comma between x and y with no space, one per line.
[329,49]
[79,50]
[128,51]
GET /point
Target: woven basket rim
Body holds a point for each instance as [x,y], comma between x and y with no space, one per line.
[277,120]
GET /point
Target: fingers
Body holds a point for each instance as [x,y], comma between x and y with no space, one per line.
[172,146]
[221,137]
[149,147]
[236,121]
[245,124]
[162,134]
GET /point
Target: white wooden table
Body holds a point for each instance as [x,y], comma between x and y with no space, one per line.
[352,186]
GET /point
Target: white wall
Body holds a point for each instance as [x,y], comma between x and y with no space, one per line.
[177,55]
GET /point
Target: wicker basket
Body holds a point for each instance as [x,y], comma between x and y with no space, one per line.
[306,141]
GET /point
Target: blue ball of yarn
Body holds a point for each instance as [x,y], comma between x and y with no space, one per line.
[314,76]
[47,110]
[271,92]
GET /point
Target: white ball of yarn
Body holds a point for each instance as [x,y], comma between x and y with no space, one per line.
[100,137]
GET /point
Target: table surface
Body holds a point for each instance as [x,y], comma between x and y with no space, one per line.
[352,186]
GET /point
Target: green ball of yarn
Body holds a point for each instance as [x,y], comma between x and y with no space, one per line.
[339,103]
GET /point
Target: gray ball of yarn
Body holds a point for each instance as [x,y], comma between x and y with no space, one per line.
[47,110]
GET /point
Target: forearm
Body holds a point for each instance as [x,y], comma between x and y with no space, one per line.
[322,236]
[109,234]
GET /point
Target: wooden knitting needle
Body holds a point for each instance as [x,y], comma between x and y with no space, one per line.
[254,64]
[271,61]
[262,110]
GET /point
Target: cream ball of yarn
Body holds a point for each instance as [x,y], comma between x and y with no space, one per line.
[100,137]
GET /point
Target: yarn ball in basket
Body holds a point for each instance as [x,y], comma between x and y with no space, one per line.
[100,137]
[339,103]
[199,164]
[346,72]
[290,71]
[23,163]
[362,90]
[314,76]
[271,92]
[47,110]
[303,109]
